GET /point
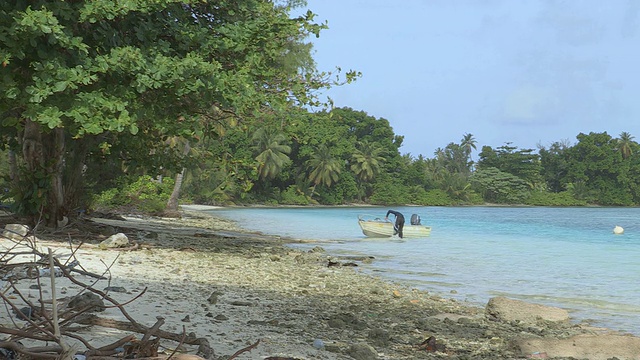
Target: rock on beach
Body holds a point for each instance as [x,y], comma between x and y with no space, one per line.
[115,241]
[506,310]
[15,231]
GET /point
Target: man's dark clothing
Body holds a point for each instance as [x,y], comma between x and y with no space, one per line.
[399,225]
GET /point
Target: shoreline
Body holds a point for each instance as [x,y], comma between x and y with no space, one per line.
[597,309]
[235,288]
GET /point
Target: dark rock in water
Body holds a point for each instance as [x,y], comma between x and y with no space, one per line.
[186,319]
[87,300]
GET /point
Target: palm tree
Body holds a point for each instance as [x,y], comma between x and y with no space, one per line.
[468,143]
[324,168]
[272,153]
[367,161]
[624,144]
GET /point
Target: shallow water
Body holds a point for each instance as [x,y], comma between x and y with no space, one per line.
[566,257]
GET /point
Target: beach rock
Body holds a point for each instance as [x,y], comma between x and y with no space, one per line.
[362,351]
[119,289]
[379,337]
[592,347]
[507,310]
[115,241]
[87,300]
[15,231]
[25,313]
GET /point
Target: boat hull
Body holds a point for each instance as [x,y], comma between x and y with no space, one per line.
[383,229]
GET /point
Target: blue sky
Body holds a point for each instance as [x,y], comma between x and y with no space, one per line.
[527,72]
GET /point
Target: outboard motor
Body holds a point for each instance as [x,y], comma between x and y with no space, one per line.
[415,219]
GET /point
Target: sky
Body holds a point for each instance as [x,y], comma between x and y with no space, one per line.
[525,72]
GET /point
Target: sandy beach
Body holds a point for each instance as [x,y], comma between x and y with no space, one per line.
[207,278]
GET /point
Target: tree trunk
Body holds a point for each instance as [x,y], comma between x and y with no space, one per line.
[172,205]
[56,210]
[43,154]
[13,167]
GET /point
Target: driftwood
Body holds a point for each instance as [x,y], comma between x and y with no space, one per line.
[51,321]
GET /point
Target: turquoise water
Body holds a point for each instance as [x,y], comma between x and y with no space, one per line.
[566,257]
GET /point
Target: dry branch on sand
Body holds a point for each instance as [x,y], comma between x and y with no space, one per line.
[47,321]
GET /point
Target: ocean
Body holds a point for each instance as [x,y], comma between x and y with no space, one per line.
[565,257]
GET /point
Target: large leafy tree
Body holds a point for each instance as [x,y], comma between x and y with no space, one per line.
[554,165]
[497,186]
[596,162]
[522,163]
[81,79]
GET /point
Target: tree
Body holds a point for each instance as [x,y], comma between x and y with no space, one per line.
[596,162]
[172,204]
[555,166]
[625,144]
[522,163]
[91,76]
[272,152]
[499,187]
[468,142]
[367,161]
[325,169]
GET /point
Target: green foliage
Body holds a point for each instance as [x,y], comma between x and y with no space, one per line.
[121,78]
[293,196]
[272,152]
[389,192]
[30,194]
[142,195]
[437,197]
[325,168]
[4,171]
[555,166]
[599,167]
[499,187]
[522,163]
[544,198]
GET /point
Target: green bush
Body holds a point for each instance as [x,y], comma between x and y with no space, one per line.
[437,197]
[544,198]
[292,196]
[387,192]
[145,195]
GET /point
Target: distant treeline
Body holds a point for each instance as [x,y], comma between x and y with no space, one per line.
[346,156]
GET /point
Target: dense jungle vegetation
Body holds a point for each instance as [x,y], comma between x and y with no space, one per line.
[142,105]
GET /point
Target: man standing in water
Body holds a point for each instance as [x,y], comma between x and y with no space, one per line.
[399,222]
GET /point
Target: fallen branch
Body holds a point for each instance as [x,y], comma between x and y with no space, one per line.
[92,319]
